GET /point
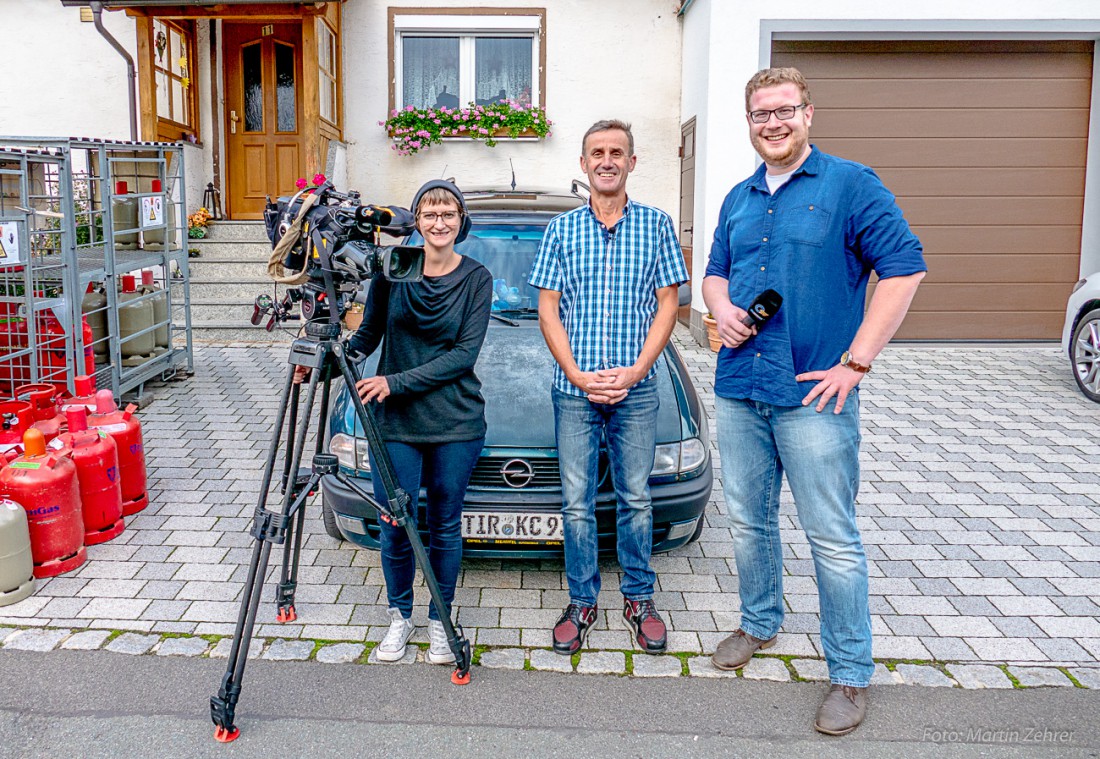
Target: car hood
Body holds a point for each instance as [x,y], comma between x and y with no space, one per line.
[516,372]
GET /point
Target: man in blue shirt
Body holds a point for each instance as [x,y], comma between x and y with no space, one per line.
[608,273]
[812,227]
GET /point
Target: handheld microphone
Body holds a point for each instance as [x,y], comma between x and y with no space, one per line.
[762,308]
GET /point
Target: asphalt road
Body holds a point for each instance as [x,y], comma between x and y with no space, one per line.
[99,704]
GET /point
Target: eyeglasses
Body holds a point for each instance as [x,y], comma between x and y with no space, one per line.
[783,113]
[431,217]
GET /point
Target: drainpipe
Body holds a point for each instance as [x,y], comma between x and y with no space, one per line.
[97,10]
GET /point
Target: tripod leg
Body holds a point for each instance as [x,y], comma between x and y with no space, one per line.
[223,706]
[398,503]
[269,528]
[292,549]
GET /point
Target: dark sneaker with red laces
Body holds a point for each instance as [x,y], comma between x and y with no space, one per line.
[572,628]
[649,628]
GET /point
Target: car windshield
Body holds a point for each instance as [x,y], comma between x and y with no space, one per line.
[508,252]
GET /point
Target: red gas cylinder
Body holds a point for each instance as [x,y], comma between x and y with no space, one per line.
[43,399]
[45,484]
[96,457]
[126,431]
[16,417]
[84,395]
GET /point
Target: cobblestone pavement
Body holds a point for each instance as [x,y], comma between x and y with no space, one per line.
[980,511]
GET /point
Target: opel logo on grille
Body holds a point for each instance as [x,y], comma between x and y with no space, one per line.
[517,473]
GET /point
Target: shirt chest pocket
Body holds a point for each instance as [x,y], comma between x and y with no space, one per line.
[807,223]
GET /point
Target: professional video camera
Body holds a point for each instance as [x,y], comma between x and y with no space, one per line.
[325,243]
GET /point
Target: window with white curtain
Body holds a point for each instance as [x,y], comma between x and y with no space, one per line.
[326,70]
[456,59]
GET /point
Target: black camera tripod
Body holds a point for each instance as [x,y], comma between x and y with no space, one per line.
[321,352]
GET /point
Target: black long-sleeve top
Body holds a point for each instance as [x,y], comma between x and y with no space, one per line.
[433,333]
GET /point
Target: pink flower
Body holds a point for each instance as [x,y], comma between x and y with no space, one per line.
[318,179]
[437,121]
[483,130]
[409,108]
[301,183]
[394,112]
[415,143]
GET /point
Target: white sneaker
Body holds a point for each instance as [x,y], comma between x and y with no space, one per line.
[392,647]
[439,650]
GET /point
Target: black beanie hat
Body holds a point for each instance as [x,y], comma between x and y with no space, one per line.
[464,227]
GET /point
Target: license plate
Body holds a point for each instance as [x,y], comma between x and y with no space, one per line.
[511,527]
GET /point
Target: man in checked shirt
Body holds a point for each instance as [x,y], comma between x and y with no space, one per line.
[608,273]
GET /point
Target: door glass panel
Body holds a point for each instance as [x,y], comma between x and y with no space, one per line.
[429,72]
[252,73]
[163,106]
[285,100]
[502,69]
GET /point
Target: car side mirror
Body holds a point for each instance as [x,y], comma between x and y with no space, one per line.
[684,293]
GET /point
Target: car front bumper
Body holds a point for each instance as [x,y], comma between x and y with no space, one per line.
[677,508]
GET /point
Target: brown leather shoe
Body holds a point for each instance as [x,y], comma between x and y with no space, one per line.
[842,710]
[735,651]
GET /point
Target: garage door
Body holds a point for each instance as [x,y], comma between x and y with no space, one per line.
[984,144]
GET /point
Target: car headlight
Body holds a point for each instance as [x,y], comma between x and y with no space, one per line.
[1078,286]
[351,451]
[666,459]
[692,454]
[673,458]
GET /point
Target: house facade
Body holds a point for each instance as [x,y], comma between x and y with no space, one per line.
[980,117]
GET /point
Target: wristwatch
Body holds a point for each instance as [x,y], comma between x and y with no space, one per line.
[847,360]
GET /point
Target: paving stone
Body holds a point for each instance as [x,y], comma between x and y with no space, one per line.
[222,647]
[1040,676]
[504,658]
[701,666]
[761,668]
[550,661]
[340,653]
[132,643]
[289,650]
[973,676]
[922,674]
[89,640]
[183,647]
[657,666]
[1090,678]
[411,653]
[602,663]
[36,640]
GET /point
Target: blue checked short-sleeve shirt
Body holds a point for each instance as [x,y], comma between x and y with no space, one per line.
[608,280]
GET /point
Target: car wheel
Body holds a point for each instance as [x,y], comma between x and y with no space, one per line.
[329,518]
[1084,354]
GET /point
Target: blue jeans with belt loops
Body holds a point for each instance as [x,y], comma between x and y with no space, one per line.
[820,454]
[630,429]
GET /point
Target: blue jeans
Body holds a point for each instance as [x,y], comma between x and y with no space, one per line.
[630,430]
[820,454]
[445,469]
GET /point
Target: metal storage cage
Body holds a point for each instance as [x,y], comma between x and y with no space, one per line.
[77,218]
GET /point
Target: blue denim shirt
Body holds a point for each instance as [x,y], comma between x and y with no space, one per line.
[815,242]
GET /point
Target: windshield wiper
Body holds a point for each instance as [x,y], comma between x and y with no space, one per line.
[504,319]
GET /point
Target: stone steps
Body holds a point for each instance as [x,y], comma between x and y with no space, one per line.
[226,276]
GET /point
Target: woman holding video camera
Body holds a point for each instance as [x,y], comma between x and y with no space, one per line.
[431,413]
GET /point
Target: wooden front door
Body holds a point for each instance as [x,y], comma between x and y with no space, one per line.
[263,108]
[687,202]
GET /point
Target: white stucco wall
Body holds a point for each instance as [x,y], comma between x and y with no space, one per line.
[612,59]
[734,41]
[60,78]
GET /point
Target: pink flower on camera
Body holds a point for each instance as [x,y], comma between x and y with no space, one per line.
[318,179]
[301,183]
